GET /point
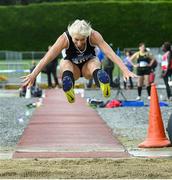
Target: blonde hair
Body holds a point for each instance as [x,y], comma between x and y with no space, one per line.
[80,27]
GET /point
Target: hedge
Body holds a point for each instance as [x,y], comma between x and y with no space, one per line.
[124,24]
[26,2]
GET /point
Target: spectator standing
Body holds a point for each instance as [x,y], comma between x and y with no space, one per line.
[127,62]
[108,66]
[144,62]
[166,66]
[51,70]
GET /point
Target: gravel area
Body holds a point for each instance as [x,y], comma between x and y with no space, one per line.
[14,117]
[129,122]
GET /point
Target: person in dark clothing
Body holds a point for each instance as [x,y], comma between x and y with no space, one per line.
[51,69]
[166,66]
[108,67]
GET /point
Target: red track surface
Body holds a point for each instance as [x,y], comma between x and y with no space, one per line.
[62,130]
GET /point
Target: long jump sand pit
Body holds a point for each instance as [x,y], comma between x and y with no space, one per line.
[87,169]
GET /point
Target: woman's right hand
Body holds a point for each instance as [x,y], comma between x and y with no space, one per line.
[28,80]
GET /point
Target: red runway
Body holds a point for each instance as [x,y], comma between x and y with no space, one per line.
[62,130]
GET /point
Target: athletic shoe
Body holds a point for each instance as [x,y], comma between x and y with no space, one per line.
[104,83]
[138,98]
[149,97]
[68,89]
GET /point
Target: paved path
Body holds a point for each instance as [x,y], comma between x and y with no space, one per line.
[62,130]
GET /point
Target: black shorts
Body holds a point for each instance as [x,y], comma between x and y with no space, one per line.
[141,71]
[81,64]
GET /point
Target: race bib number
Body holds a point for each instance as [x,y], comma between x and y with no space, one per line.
[143,64]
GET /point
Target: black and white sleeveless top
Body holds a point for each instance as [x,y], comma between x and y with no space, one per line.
[75,55]
[143,60]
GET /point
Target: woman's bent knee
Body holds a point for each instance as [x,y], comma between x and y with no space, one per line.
[66,65]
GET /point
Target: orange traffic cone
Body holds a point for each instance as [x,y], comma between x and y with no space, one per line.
[156,135]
